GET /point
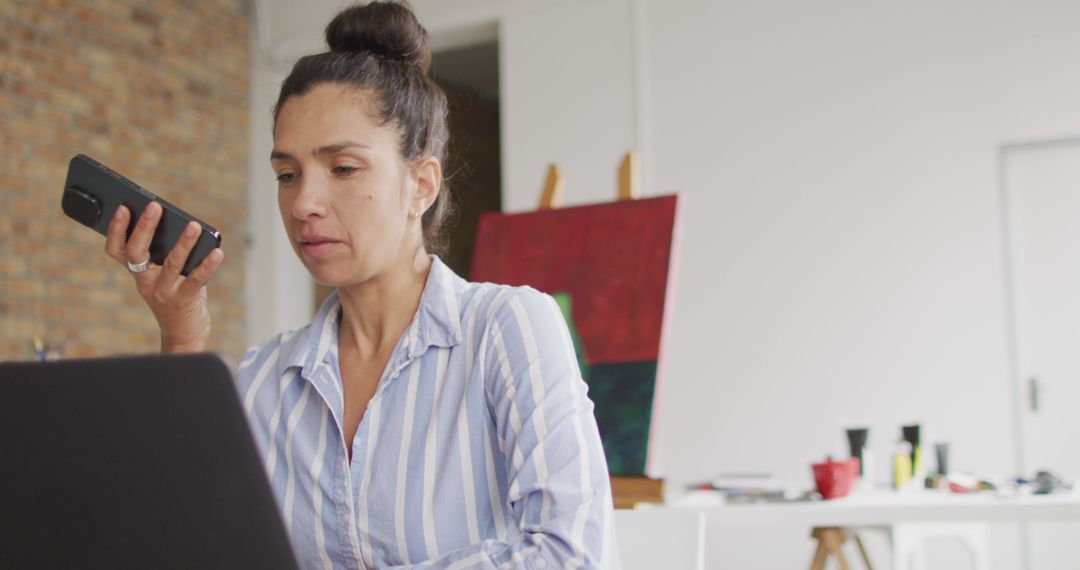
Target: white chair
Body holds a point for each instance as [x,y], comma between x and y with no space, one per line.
[660,538]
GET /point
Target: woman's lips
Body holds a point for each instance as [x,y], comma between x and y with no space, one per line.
[317,249]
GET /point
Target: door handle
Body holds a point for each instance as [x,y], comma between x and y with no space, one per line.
[1034,390]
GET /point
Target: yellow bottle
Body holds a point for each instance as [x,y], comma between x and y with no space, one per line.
[902,466]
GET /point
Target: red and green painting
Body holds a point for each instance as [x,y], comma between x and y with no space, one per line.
[608,266]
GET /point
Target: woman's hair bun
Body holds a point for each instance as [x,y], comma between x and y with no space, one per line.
[385,29]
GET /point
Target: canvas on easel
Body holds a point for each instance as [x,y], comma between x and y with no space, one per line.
[609,266]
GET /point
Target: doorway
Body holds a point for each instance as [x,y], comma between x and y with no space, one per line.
[1041,225]
[470,76]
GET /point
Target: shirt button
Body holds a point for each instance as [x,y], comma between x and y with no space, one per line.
[541,563]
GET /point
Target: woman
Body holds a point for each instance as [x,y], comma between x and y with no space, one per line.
[419,419]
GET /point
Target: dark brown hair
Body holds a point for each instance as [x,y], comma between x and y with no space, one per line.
[381,47]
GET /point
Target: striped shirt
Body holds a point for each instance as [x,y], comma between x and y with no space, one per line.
[478,449]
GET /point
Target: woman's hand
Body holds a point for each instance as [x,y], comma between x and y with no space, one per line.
[178,303]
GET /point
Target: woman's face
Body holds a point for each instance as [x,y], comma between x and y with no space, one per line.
[346,196]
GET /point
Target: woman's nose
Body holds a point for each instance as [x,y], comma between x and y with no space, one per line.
[310,199]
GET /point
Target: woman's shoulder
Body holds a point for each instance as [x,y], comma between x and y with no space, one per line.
[514,321]
[486,303]
[522,338]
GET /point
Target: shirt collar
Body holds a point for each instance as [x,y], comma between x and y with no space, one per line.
[437,322]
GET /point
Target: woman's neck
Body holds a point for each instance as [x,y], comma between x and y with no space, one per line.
[374,314]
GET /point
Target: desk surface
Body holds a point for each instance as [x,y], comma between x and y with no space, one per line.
[879,509]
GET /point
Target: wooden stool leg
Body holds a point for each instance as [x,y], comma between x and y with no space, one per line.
[830,542]
[834,542]
[862,551]
[819,557]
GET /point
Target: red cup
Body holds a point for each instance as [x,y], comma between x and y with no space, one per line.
[834,479]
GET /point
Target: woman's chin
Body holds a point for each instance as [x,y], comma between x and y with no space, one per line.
[324,274]
[340,271]
[329,280]
[328,275]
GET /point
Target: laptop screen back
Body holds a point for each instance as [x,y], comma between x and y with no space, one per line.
[141,462]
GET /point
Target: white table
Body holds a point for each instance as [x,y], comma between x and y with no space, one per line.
[886,508]
[908,517]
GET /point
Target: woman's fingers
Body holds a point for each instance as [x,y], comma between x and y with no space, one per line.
[199,276]
[178,303]
[138,245]
[174,263]
[116,238]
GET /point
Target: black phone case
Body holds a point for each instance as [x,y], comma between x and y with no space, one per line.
[93,192]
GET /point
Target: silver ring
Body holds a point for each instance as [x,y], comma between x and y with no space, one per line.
[139,267]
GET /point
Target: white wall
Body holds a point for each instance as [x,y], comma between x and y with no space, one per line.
[840,254]
[567,98]
[841,245]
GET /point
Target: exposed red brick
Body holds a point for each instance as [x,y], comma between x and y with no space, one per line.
[145,17]
[159,92]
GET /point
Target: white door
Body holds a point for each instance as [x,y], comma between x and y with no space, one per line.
[1042,194]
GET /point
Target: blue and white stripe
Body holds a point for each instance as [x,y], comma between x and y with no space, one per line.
[478,449]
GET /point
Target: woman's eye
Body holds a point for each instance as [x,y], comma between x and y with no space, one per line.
[344,170]
[286,177]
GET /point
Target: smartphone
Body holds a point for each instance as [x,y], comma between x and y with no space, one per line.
[93,192]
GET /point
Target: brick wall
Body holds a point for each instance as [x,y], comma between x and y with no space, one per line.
[158,90]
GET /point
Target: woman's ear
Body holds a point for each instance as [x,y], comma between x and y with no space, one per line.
[427,172]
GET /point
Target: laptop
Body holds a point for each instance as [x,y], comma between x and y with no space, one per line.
[138,462]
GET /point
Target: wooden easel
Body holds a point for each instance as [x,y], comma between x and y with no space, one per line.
[629,183]
[627,491]
[831,542]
